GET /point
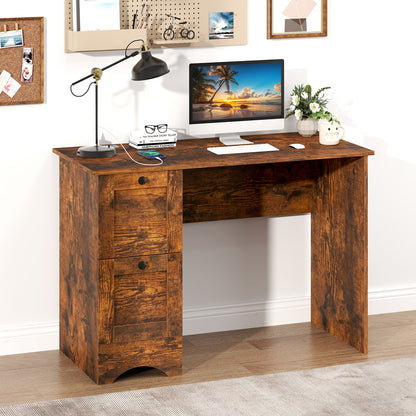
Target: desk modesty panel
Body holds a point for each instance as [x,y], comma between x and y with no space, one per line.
[121,241]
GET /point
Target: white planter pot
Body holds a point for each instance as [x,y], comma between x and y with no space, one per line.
[307,127]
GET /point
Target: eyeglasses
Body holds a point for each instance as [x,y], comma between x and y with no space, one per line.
[151,128]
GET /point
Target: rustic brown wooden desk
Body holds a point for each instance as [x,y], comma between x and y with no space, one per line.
[121,241]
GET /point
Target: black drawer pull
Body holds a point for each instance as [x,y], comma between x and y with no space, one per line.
[142,180]
[142,265]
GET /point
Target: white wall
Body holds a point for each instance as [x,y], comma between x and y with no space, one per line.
[255,272]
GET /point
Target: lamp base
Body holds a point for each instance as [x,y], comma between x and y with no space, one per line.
[96,151]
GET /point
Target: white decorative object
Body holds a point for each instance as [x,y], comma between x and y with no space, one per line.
[98,15]
[330,133]
[307,127]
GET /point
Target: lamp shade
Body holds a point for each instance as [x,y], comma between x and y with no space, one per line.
[149,67]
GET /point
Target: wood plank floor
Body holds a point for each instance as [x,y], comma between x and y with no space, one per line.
[50,375]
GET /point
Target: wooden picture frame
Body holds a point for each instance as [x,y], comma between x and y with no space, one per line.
[11,60]
[296,18]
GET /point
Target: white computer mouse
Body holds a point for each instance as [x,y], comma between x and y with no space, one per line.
[297,146]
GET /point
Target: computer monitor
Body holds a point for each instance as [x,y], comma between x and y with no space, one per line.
[236,97]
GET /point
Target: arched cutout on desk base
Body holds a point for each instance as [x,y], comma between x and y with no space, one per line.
[139,371]
[114,374]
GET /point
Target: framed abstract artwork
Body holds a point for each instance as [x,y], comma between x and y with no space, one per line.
[296,18]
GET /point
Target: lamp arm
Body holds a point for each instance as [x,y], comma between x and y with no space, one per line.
[144,48]
[135,53]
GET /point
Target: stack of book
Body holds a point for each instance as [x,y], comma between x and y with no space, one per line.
[142,140]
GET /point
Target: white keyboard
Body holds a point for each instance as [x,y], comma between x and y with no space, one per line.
[246,148]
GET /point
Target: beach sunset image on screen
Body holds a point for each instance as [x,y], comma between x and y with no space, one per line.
[236,91]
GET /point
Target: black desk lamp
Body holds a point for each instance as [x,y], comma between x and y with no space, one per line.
[147,68]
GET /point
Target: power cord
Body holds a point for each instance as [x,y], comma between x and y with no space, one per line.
[128,154]
[79,96]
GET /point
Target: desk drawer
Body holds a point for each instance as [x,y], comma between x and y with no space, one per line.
[140,222]
[137,219]
[140,295]
[141,298]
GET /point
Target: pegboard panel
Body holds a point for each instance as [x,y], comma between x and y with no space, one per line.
[103,40]
[157,22]
[156,10]
[69,20]
[153,22]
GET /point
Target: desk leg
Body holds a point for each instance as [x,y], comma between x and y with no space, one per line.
[339,251]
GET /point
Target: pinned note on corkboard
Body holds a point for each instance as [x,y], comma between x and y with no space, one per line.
[21,60]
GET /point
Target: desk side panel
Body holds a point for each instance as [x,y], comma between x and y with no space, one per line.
[248,191]
[78,284]
[339,251]
[175,211]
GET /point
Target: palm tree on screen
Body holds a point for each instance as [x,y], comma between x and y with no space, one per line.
[202,86]
[225,76]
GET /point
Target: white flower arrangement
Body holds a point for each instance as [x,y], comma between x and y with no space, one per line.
[306,105]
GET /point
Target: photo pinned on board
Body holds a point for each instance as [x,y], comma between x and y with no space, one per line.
[11,39]
[27,65]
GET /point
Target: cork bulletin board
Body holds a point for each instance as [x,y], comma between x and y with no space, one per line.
[11,59]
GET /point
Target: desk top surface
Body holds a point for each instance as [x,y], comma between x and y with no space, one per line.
[193,154]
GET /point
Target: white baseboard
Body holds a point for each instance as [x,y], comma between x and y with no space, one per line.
[45,336]
[284,311]
[390,301]
[247,315]
[29,338]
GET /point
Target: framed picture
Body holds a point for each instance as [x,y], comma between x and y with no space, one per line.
[296,18]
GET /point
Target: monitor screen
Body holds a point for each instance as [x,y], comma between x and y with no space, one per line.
[222,92]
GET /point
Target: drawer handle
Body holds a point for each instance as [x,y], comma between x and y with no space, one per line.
[142,265]
[142,180]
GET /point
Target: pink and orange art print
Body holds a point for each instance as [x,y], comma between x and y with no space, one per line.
[296,18]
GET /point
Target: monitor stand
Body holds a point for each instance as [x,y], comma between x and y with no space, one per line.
[233,139]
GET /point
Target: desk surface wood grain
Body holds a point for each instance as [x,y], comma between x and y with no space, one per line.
[193,154]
